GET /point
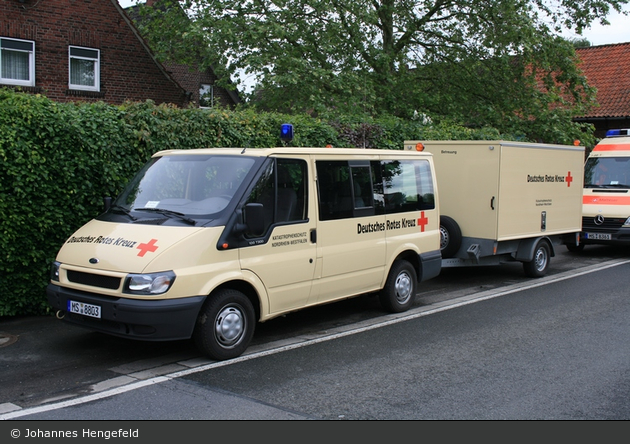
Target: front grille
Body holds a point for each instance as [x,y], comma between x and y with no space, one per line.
[610,223]
[94,280]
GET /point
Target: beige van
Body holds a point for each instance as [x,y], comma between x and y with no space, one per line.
[206,243]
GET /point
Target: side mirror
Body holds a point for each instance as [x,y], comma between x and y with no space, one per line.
[107,203]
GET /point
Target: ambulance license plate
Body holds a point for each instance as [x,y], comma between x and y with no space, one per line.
[598,236]
[84,309]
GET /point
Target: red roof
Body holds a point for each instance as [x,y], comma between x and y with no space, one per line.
[607,68]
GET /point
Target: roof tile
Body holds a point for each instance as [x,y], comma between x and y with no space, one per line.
[607,68]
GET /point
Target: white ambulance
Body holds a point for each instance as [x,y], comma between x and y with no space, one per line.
[206,243]
[606,200]
[504,201]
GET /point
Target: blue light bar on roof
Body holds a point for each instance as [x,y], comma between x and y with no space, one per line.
[286,132]
[617,132]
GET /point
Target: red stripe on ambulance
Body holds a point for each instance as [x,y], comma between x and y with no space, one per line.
[606,200]
[613,147]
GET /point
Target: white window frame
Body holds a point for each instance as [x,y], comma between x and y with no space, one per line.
[31,60]
[207,87]
[80,53]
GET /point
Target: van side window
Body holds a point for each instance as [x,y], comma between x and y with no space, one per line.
[346,189]
[282,191]
[407,186]
[364,188]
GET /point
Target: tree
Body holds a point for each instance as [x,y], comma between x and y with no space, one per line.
[483,62]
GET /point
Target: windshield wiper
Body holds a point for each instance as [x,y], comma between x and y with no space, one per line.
[122,210]
[181,216]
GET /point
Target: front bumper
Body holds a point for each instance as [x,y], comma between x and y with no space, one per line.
[612,226]
[149,320]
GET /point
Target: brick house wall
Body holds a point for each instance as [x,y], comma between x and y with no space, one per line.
[128,70]
[191,79]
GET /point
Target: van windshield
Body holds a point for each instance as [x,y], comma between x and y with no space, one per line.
[607,172]
[185,185]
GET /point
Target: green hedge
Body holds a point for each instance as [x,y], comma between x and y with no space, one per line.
[58,161]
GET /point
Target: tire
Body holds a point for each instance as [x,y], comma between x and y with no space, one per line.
[225,325]
[450,236]
[538,266]
[400,289]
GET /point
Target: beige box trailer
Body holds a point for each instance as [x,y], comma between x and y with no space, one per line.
[503,201]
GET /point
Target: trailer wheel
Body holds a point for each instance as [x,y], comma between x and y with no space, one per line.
[538,266]
[225,325]
[399,292]
[450,236]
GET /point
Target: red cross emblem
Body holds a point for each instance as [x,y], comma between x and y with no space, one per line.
[147,247]
[569,179]
[423,221]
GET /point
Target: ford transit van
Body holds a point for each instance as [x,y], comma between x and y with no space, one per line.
[206,243]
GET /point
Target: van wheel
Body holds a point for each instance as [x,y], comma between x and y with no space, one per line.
[538,266]
[399,292]
[450,236]
[225,325]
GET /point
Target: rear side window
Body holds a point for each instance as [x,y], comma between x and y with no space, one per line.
[346,189]
[350,189]
[407,186]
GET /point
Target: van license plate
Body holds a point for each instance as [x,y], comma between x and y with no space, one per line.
[84,309]
[598,236]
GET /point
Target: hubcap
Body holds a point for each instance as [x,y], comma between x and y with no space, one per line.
[443,238]
[541,259]
[403,288]
[229,326]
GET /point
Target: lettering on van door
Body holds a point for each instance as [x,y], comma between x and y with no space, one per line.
[284,240]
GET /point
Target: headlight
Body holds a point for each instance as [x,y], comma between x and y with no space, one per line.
[153,283]
[54,271]
[626,223]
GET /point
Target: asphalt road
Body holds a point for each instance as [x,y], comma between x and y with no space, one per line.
[44,362]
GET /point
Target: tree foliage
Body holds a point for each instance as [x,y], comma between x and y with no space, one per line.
[482,62]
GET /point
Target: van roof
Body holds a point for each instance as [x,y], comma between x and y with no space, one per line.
[266,152]
[611,144]
[410,144]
